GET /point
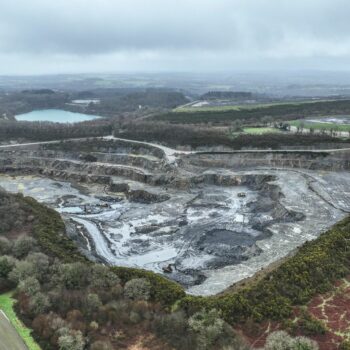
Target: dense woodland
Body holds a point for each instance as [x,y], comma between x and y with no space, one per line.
[148,99]
[201,136]
[46,131]
[21,102]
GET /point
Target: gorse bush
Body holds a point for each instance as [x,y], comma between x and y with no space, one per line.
[208,326]
[309,325]
[137,289]
[281,340]
[161,289]
[49,231]
[345,345]
[172,327]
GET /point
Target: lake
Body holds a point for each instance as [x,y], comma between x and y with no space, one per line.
[55,115]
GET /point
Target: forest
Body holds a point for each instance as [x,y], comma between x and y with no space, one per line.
[46,131]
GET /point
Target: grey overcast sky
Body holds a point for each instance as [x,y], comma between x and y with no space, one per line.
[76,36]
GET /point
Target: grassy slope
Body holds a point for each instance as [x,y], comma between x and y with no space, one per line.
[6,304]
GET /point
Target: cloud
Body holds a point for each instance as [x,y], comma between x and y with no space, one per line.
[167,34]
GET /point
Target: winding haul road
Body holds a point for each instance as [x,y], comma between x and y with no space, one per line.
[171,154]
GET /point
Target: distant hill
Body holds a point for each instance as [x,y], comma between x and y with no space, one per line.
[39,92]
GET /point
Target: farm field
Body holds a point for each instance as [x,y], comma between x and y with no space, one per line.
[260,131]
[320,125]
[239,107]
[13,334]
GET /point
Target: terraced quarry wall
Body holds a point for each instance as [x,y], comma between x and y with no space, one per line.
[314,160]
[205,219]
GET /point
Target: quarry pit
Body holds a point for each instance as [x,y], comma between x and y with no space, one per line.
[204,219]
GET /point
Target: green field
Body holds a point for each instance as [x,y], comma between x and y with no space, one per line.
[320,126]
[207,109]
[6,305]
[260,131]
[255,114]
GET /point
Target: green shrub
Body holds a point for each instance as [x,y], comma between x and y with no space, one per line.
[49,231]
[281,340]
[208,326]
[101,345]
[29,286]
[71,341]
[345,345]
[172,328]
[5,246]
[23,246]
[162,289]
[7,264]
[309,325]
[21,271]
[303,343]
[39,303]
[137,289]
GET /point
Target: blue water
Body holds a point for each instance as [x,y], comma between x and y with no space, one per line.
[54,115]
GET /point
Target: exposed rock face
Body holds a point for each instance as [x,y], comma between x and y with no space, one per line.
[141,196]
[88,158]
[334,161]
[119,187]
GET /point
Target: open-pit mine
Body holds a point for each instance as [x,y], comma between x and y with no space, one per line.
[204,219]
